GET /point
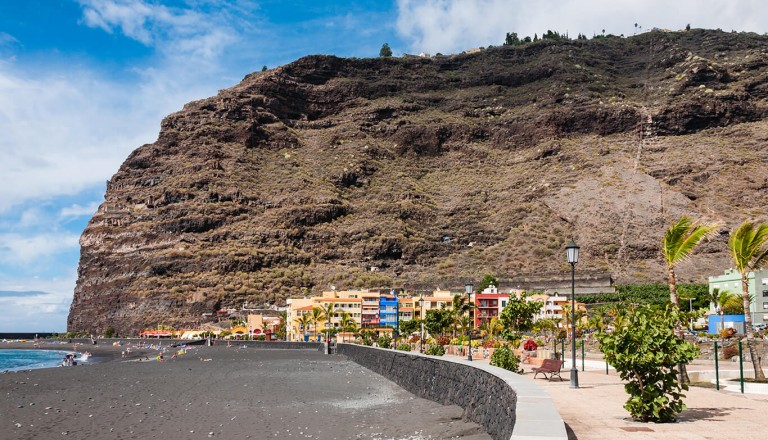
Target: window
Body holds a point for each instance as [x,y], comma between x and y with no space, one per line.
[765,293]
[765,305]
[503,303]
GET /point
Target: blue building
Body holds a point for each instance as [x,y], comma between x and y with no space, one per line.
[388,310]
[731,321]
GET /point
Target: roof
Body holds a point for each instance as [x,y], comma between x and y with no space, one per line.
[336,300]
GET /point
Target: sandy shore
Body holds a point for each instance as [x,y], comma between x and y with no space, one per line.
[217,392]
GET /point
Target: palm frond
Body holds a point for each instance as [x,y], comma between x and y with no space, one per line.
[747,246]
[682,237]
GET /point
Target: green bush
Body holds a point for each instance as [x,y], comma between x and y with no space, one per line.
[367,341]
[109,332]
[384,341]
[435,350]
[645,351]
[504,358]
[404,347]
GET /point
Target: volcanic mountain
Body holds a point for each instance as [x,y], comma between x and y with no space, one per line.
[424,172]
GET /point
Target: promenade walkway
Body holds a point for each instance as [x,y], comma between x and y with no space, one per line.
[595,411]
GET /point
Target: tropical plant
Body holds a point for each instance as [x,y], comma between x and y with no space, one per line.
[281,326]
[410,327]
[645,351]
[749,252]
[435,350]
[384,341]
[722,298]
[328,313]
[109,332]
[403,347]
[518,314]
[492,327]
[504,358]
[567,316]
[459,307]
[678,244]
[317,316]
[437,320]
[303,320]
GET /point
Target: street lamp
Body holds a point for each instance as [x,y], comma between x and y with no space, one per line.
[421,316]
[468,288]
[572,254]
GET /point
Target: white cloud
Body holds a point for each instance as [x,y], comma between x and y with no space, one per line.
[77,210]
[17,249]
[450,26]
[65,131]
[44,312]
[174,31]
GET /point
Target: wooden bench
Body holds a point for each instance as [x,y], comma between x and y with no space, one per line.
[549,367]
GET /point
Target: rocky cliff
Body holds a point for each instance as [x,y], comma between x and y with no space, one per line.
[423,172]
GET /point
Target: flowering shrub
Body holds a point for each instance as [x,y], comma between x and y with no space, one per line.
[530,345]
[443,340]
[414,339]
[489,343]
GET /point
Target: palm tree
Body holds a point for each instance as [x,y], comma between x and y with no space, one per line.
[328,313]
[317,316]
[749,252]
[303,321]
[719,298]
[679,241]
[458,307]
[347,322]
[281,327]
[566,319]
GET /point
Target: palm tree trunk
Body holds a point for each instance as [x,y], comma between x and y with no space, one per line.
[756,365]
[673,287]
[681,369]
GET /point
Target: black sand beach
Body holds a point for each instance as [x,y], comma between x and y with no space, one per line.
[217,392]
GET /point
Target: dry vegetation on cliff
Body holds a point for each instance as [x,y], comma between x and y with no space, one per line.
[312,174]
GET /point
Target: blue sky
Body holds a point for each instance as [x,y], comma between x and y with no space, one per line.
[85,82]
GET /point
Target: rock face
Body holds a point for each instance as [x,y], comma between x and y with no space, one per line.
[425,172]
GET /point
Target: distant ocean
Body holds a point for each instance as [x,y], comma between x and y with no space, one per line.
[12,360]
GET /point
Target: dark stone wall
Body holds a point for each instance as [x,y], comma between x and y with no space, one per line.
[487,399]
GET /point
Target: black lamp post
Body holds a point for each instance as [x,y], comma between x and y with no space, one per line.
[468,288]
[572,254]
[421,318]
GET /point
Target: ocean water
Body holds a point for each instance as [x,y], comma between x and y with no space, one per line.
[12,360]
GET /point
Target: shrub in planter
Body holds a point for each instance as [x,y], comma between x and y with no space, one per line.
[727,333]
[384,341]
[435,350]
[504,358]
[404,347]
[530,345]
[367,341]
[489,343]
[443,340]
[414,339]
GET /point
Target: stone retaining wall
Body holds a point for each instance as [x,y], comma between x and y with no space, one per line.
[507,405]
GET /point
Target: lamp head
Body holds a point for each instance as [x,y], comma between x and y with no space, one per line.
[572,252]
[469,287]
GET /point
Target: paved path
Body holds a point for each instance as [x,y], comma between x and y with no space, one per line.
[595,411]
